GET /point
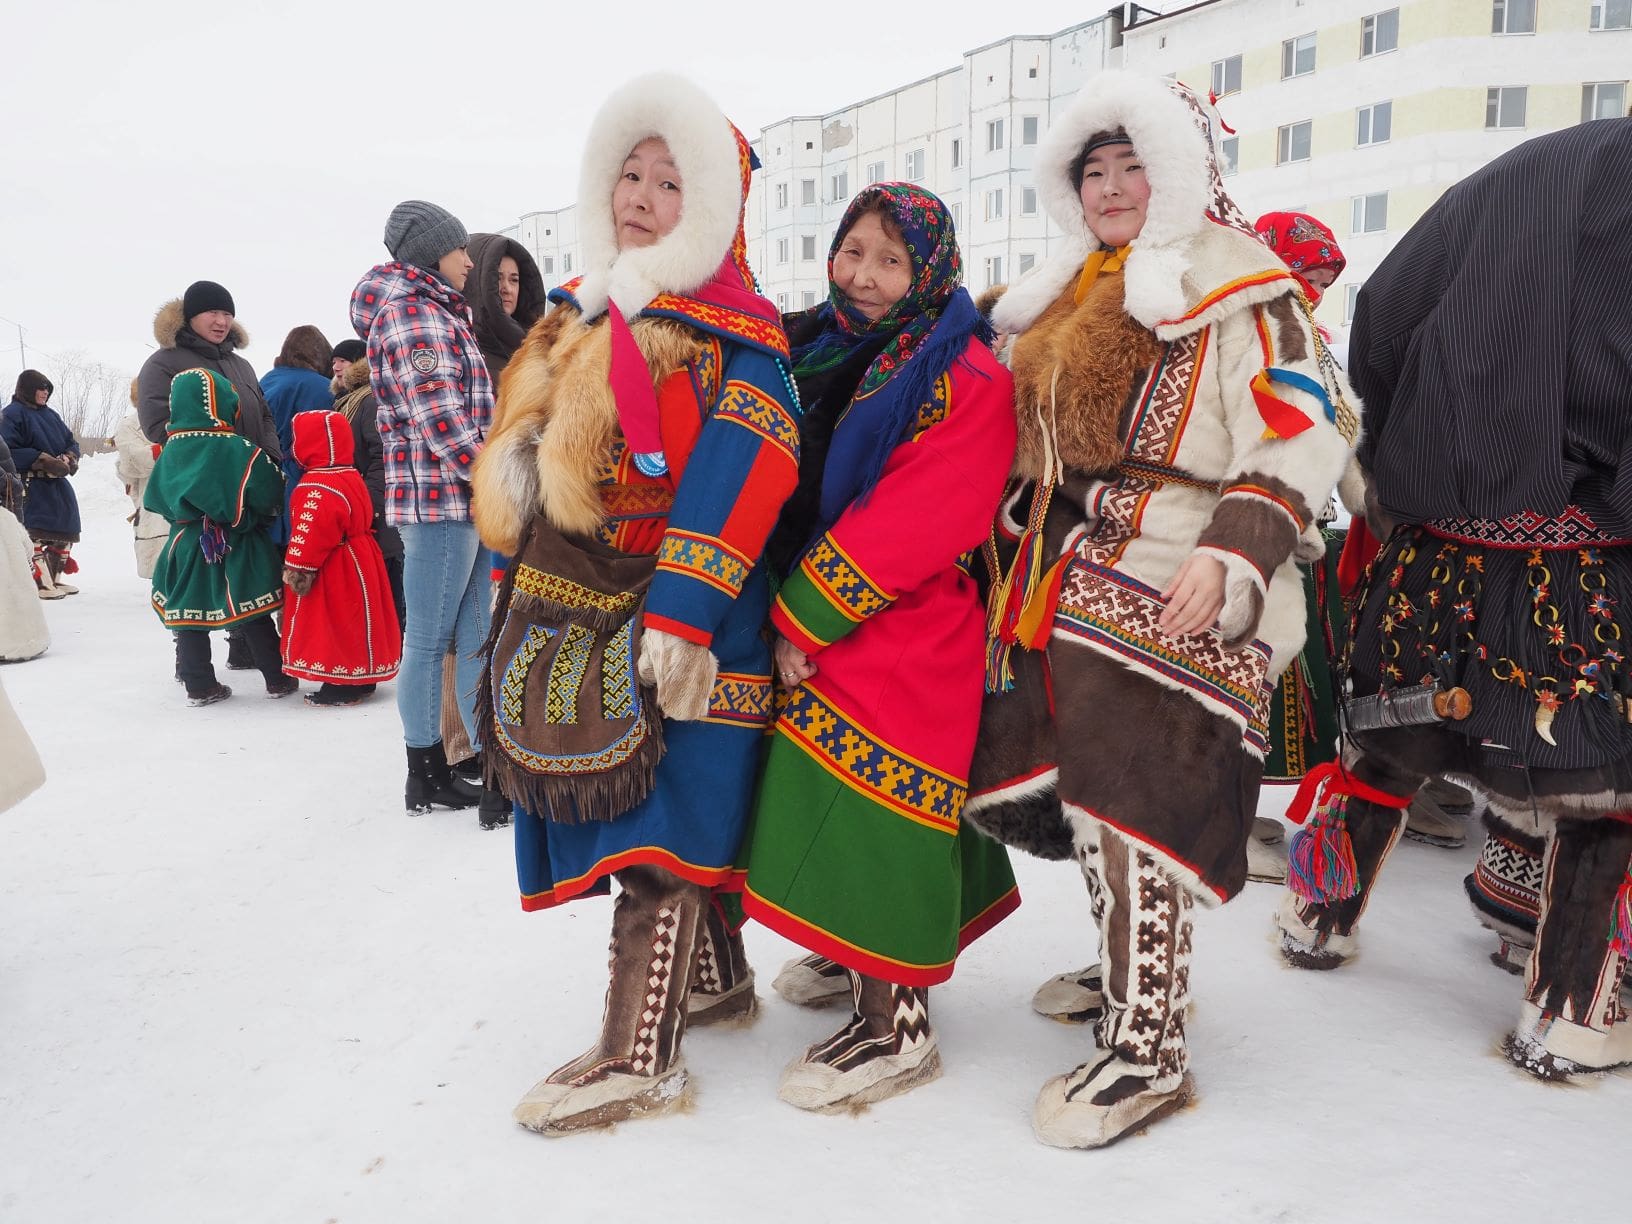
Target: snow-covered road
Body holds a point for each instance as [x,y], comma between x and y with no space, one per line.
[238,984]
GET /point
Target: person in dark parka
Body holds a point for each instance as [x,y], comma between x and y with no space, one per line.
[506,295]
[46,455]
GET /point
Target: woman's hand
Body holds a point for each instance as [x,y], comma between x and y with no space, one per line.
[793,666]
[1195,597]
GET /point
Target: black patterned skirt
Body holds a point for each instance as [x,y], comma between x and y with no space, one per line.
[1525,615]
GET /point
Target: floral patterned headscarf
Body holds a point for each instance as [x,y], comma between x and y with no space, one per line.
[928,329]
[1304,243]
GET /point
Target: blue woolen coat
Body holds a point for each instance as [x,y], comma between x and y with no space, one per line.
[49,507]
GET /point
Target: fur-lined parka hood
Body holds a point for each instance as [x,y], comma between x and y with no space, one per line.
[169,321]
[349,379]
[1194,240]
[709,153]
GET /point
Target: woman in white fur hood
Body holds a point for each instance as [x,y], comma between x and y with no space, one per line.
[1180,421]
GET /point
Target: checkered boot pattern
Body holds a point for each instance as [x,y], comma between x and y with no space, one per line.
[722,983]
[655,923]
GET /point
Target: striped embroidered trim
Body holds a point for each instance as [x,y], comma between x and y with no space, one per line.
[1266,277]
[842,582]
[892,779]
[565,591]
[740,700]
[705,558]
[750,407]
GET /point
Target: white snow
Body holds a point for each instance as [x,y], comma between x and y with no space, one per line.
[237,983]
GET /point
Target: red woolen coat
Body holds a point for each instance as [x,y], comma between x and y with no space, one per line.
[344,630]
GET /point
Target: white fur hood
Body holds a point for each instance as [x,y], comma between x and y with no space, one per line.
[1194,239]
[706,150]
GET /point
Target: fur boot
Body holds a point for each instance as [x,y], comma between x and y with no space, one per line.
[59,562]
[43,579]
[1504,889]
[1266,852]
[886,1049]
[1573,1020]
[722,984]
[1139,1073]
[635,1068]
[812,981]
[1322,935]
[1072,998]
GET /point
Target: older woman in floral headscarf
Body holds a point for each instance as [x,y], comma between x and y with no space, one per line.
[857,851]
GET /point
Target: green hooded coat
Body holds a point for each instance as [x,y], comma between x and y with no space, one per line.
[216,488]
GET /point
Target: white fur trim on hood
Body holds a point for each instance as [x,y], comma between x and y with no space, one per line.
[1180,166]
[704,147]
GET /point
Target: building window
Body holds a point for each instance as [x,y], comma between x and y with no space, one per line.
[1513,16]
[807,191]
[1298,56]
[1028,130]
[994,135]
[1370,215]
[782,303]
[781,196]
[808,299]
[809,145]
[875,172]
[1293,143]
[1227,75]
[1027,262]
[840,187]
[1229,155]
[1351,299]
[566,263]
[957,213]
[957,153]
[1611,15]
[1380,32]
[994,205]
[1028,201]
[807,246]
[549,266]
[994,270]
[915,166]
[1603,100]
[781,250]
[1373,124]
[1504,106]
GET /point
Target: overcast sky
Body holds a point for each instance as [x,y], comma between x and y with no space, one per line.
[148,145]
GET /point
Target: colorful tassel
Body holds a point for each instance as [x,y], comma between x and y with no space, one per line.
[1021,597]
[1282,419]
[212,542]
[1321,864]
[1620,931]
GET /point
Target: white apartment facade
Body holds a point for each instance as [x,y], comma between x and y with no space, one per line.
[1358,111]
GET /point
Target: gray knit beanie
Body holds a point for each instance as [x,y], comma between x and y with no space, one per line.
[420,233]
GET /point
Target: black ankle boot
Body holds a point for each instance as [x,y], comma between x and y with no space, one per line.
[239,656]
[494,810]
[432,784]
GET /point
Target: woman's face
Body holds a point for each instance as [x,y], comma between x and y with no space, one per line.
[872,268]
[1114,194]
[1320,280]
[646,202]
[509,285]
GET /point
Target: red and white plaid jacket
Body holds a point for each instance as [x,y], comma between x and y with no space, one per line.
[434,392]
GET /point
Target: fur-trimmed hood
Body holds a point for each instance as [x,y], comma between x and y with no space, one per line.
[169,321]
[1194,240]
[349,379]
[709,154]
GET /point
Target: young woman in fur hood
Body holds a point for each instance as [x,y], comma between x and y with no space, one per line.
[1179,423]
[646,440]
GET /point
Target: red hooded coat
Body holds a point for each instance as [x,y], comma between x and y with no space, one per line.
[344,630]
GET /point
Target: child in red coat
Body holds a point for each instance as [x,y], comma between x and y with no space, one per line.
[340,626]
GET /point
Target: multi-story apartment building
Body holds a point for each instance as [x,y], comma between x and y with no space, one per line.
[1357,111]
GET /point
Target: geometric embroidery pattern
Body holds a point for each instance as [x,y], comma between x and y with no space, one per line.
[1573,527]
[705,558]
[618,674]
[842,581]
[933,410]
[889,778]
[740,699]
[567,676]
[571,594]
[750,407]
[514,685]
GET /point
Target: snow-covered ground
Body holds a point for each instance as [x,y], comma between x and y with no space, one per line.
[238,984]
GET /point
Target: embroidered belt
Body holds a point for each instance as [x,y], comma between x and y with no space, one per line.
[1573,528]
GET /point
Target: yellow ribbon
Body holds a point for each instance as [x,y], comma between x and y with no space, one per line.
[1096,265]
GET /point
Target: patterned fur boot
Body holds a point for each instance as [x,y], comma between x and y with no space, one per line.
[722,985]
[813,981]
[43,581]
[1321,934]
[1072,998]
[1139,1073]
[1505,890]
[1573,1020]
[59,562]
[635,1068]
[887,1048]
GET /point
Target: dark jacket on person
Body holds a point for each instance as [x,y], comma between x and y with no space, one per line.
[499,335]
[49,506]
[181,348]
[354,399]
[11,482]
[290,390]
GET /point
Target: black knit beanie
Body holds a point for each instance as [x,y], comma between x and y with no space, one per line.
[205,295]
[350,350]
[28,382]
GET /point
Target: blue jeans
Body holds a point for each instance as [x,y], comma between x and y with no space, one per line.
[448,595]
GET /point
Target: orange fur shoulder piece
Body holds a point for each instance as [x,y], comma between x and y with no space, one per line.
[1074,369]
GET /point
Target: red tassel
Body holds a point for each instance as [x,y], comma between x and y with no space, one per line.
[1620,931]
